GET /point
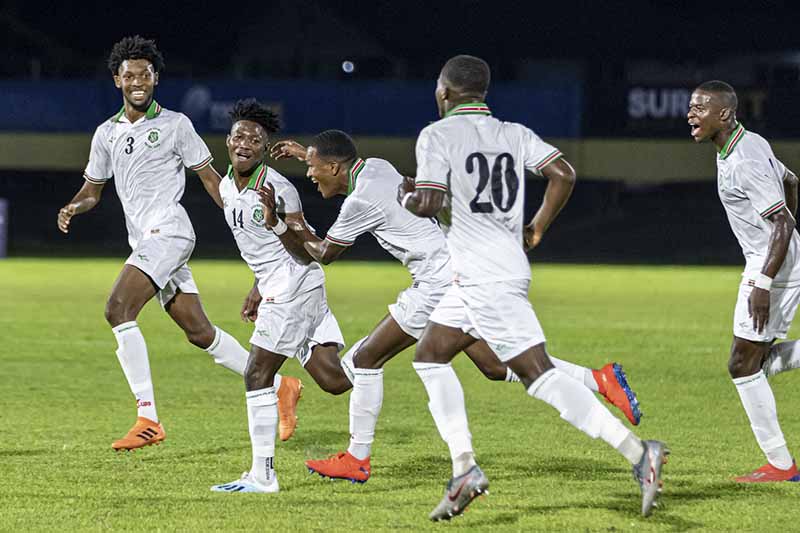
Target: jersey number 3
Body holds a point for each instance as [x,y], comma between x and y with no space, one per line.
[498,176]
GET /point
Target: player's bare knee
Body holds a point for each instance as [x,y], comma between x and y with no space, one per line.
[366,357]
[116,312]
[258,374]
[495,371]
[745,359]
[202,338]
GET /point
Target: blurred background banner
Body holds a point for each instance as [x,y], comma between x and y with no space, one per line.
[385,108]
[606,82]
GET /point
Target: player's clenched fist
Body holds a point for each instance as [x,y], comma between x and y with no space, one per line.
[65,214]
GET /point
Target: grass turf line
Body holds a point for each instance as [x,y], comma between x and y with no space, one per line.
[65,399]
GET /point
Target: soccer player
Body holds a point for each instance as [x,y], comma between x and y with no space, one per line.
[480,161]
[145,148]
[292,318]
[760,198]
[371,207]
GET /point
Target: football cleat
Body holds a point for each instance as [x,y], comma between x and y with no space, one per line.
[769,474]
[342,466]
[143,433]
[247,484]
[613,385]
[459,493]
[289,394]
[648,473]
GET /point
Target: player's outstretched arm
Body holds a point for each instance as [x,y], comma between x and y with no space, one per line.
[561,180]
[88,196]
[211,178]
[790,188]
[782,227]
[292,230]
[424,203]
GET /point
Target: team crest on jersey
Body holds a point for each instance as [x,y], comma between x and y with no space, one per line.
[258,215]
[153,138]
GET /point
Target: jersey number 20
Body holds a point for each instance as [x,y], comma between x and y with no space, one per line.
[498,176]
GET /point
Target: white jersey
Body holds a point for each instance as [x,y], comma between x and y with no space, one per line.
[750,186]
[147,160]
[481,162]
[280,277]
[371,206]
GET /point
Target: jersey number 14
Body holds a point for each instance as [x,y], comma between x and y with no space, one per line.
[498,176]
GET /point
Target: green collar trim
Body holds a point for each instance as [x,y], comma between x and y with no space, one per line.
[472,108]
[733,140]
[152,111]
[355,170]
[257,178]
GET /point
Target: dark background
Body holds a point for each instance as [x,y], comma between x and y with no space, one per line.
[607,50]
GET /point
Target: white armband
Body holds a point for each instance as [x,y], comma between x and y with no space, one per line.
[763,282]
[279,228]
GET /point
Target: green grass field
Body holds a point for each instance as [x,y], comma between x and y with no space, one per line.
[65,399]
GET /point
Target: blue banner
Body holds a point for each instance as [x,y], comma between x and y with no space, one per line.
[380,108]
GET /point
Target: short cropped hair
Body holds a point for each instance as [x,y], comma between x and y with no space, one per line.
[135,47]
[467,74]
[722,89]
[254,111]
[336,145]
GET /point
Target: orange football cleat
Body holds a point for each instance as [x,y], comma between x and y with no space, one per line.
[769,474]
[288,395]
[613,386]
[341,466]
[143,433]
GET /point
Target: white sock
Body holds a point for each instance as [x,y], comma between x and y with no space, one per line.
[132,355]
[365,406]
[347,360]
[511,377]
[227,352]
[578,406]
[262,418]
[446,403]
[759,404]
[579,373]
[782,357]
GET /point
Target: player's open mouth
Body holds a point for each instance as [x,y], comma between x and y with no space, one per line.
[243,156]
[695,128]
[138,94]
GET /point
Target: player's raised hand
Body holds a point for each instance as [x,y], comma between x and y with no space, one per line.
[65,214]
[287,149]
[249,312]
[267,196]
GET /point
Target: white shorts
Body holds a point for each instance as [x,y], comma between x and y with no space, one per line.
[783,303]
[498,313]
[293,328]
[163,259]
[415,305]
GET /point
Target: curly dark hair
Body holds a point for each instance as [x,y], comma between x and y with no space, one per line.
[136,47]
[254,111]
